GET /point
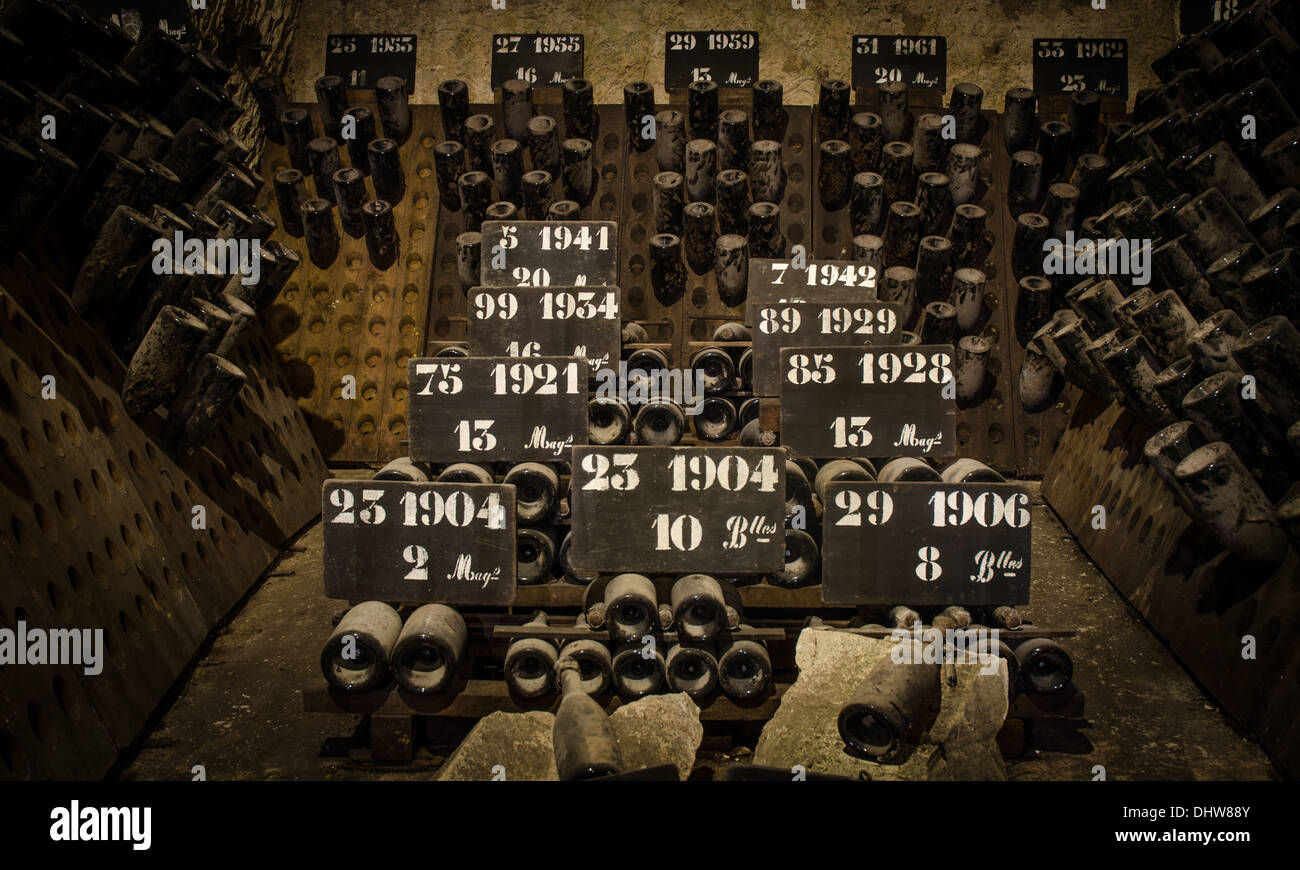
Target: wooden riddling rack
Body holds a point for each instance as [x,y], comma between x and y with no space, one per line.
[354,319]
[448,322]
[97,528]
[1201,600]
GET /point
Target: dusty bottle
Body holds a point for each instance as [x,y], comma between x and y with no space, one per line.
[609,421]
[667,272]
[638,106]
[537,492]
[902,233]
[1045,667]
[1232,505]
[203,400]
[583,738]
[692,669]
[769,113]
[1020,122]
[530,663]
[891,709]
[453,99]
[428,653]
[355,658]
[386,171]
[744,670]
[659,423]
[731,266]
[350,192]
[802,560]
[394,111]
[321,232]
[639,670]
[698,607]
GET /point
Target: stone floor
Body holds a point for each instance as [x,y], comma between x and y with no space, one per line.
[239,713]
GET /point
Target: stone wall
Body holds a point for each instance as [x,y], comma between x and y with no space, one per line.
[989,41]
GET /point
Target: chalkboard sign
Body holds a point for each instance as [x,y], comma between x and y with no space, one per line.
[549,253]
[1063,66]
[925,543]
[361,59]
[869,401]
[678,509]
[728,57]
[818,281]
[546,321]
[390,540]
[917,61]
[501,407]
[816,324]
[1196,15]
[541,59]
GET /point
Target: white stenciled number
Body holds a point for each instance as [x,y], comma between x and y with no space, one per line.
[928,568]
[599,466]
[523,348]
[343,500]
[371,513]
[503,306]
[811,368]
[912,367]
[683,532]
[417,556]
[730,473]
[774,320]
[525,277]
[859,321]
[851,431]
[987,509]
[474,435]
[445,376]
[850,502]
[540,379]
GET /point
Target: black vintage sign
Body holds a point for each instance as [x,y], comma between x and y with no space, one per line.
[728,57]
[497,407]
[1063,66]
[136,17]
[819,281]
[917,61]
[541,59]
[925,543]
[678,509]
[816,324]
[452,543]
[868,401]
[546,321]
[549,253]
[1196,15]
[361,59]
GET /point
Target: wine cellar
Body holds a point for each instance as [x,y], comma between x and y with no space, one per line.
[479,390]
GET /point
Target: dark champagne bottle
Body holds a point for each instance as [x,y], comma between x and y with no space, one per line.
[429,652]
[891,709]
[584,739]
[355,658]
